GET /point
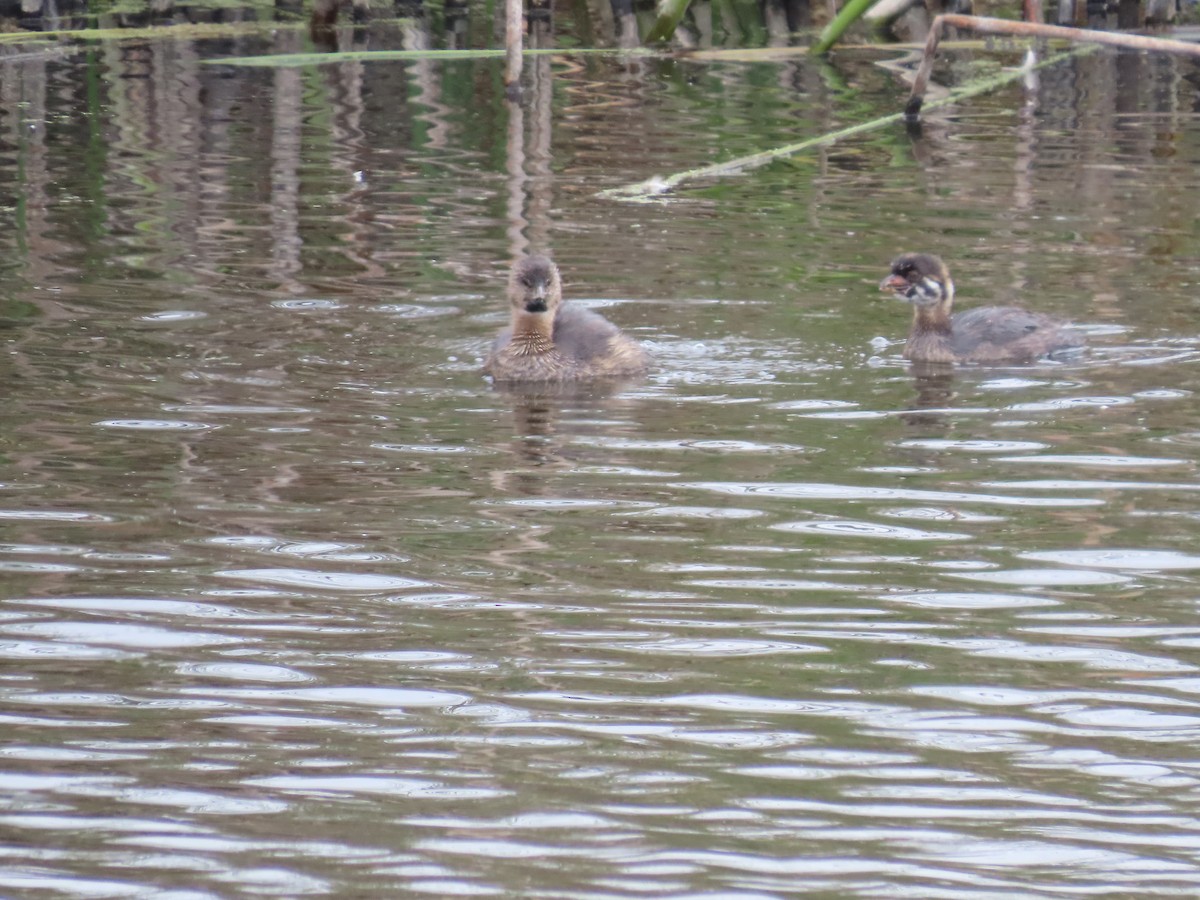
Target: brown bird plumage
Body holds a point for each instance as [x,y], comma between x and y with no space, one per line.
[552,341]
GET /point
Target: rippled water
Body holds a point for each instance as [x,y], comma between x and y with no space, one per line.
[296,603]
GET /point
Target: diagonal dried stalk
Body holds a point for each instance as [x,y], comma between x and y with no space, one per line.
[982,25]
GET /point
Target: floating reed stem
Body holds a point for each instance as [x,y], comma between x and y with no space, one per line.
[294,60]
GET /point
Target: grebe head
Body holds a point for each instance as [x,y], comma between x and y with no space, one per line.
[534,287]
[920,278]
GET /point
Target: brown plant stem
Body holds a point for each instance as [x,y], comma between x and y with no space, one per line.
[513,40]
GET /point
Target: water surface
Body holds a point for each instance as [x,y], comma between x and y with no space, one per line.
[296,603]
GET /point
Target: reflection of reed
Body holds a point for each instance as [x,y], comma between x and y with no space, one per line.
[1024,163]
[155,147]
[530,178]
[345,83]
[426,75]
[518,242]
[285,174]
[541,178]
[23,93]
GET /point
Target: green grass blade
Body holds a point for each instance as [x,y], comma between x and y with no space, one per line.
[670,13]
[847,16]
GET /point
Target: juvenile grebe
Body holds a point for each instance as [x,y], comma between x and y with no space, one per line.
[988,334]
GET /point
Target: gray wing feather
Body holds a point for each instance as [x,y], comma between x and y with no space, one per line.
[1011,326]
[582,334]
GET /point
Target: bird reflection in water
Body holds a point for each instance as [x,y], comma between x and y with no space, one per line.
[934,384]
[547,415]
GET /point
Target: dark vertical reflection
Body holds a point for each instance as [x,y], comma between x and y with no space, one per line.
[349,157]
[287,106]
[24,93]
[529,151]
[935,395]
[1024,163]
[539,156]
[518,240]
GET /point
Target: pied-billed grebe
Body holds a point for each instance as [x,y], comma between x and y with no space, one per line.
[550,341]
[989,334]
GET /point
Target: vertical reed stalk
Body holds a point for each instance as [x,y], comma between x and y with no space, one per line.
[513,36]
